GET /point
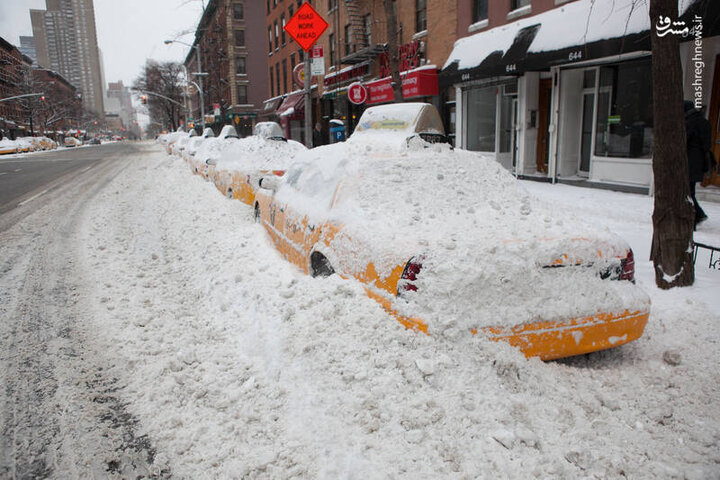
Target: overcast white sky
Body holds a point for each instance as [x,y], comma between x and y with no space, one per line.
[129,31]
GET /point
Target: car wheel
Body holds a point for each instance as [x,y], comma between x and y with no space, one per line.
[320,265]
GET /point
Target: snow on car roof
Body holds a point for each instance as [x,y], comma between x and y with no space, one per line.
[268,130]
[399,120]
[257,153]
[228,131]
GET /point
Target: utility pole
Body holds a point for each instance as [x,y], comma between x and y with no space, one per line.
[308,106]
[202,90]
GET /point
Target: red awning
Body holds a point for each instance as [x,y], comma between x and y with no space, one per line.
[422,82]
[294,101]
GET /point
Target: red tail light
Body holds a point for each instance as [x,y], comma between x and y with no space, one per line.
[628,267]
[409,275]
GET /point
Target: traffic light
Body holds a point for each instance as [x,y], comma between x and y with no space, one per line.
[143,99]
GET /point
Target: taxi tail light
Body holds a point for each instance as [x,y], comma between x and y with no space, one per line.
[409,275]
[628,267]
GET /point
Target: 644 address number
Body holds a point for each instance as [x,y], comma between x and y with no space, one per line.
[576,55]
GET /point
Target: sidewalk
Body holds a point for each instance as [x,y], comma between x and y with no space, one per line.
[711,193]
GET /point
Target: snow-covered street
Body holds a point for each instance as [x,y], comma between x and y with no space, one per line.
[149,328]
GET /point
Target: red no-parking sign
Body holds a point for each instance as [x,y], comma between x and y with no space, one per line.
[357,93]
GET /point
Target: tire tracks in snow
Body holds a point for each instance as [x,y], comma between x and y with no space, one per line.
[61,415]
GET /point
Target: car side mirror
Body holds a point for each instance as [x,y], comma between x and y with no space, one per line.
[269,182]
[211,161]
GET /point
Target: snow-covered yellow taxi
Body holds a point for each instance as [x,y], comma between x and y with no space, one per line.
[449,242]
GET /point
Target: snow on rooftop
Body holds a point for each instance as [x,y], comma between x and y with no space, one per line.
[577,23]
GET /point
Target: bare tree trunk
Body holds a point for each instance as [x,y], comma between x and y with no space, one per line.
[674,216]
[392,48]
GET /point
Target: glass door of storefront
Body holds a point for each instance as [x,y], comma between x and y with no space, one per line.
[588,117]
[490,121]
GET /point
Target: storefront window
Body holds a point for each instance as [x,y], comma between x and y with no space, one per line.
[481,110]
[624,125]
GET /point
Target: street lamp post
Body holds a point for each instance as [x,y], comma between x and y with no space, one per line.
[199,73]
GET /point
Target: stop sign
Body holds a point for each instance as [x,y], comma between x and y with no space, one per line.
[357,93]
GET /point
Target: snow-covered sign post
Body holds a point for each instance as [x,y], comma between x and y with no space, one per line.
[305,27]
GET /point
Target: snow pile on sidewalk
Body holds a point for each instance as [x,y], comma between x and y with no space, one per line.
[238,366]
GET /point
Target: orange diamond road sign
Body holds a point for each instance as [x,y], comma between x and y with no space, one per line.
[306,26]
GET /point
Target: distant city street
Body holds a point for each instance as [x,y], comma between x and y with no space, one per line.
[24,176]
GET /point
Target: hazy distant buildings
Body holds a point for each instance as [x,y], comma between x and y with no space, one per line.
[27,47]
[119,104]
[66,41]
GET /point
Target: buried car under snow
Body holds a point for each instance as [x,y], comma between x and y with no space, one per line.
[239,166]
[449,242]
[8,146]
[195,142]
[201,162]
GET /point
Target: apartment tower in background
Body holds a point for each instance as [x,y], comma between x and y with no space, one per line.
[66,42]
[27,47]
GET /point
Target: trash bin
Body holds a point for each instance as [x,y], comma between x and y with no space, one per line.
[337,131]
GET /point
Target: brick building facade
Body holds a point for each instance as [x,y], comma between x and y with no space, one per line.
[353,47]
[61,108]
[58,109]
[233,58]
[12,68]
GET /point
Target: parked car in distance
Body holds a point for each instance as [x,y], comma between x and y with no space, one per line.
[8,146]
[208,153]
[448,242]
[47,143]
[71,142]
[240,165]
[25,144]
[194,143]
[176,141]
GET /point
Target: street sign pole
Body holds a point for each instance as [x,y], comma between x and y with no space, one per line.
[308,113]
[305,27]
